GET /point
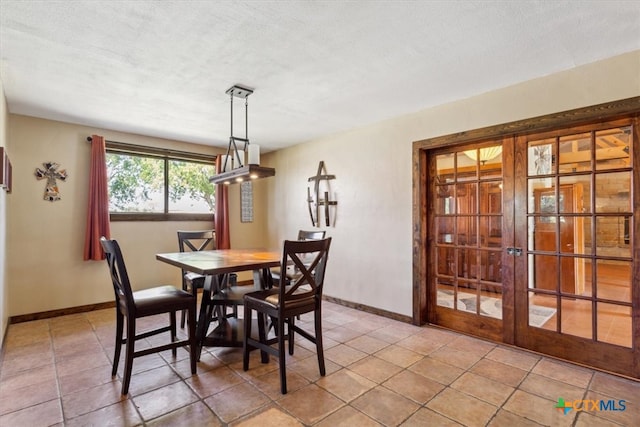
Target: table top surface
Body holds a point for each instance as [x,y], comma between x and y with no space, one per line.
[222,261]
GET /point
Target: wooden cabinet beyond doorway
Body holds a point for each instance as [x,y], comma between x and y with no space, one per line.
[558,233]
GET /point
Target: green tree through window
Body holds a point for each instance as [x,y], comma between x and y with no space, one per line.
[159,186]
[190,179]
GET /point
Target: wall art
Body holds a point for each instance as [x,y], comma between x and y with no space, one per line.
[246,201]
[51,174]
[8,174]
[3,168]
[320,197]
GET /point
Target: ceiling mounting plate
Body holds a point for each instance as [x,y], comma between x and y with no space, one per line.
[239,91]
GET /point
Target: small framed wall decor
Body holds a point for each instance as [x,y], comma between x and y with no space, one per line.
[246,201]
[5,170]
[2,168]
[9,173]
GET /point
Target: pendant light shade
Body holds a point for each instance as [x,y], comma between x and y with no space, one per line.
[486,153]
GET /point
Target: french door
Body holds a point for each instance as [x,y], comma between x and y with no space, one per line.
[575,281]
[469,284]
[532,242]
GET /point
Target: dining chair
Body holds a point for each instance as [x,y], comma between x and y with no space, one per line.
[311,235]
[148,302]
[282,303]
[194,241]
[302,235]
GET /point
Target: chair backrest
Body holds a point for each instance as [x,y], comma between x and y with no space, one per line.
[310,260]
[196,240]
[119,276]
[311,235]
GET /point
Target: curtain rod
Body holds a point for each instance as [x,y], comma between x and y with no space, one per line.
[165,151]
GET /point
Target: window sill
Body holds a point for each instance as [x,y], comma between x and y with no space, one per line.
[131,216]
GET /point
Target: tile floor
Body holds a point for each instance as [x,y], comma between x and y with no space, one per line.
[379,372]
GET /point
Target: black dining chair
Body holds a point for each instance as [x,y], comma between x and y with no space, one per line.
[194,241]
[148,302]
[282,303]
[302,235]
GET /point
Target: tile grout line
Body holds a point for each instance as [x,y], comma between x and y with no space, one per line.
[276,403]
[55,368]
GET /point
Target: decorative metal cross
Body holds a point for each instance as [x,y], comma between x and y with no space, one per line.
[315,219]
[51,173]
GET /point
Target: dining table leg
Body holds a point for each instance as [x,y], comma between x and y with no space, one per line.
[262,279]
[204,317]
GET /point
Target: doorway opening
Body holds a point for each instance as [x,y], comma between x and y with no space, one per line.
[528,239]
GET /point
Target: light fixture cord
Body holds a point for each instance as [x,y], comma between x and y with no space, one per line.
[231,141]
[231,114]
[246,123]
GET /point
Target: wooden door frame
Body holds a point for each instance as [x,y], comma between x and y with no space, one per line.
[422,203]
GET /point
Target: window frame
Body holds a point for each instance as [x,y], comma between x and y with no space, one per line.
[165,155]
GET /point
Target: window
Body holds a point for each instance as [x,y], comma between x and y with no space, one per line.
[150,184]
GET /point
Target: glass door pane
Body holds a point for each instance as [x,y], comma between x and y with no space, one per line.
[579,251]
[468,226]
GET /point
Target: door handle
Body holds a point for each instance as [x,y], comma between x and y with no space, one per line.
[514,251]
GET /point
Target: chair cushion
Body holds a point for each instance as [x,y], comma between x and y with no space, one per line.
[161,299]
[274,299]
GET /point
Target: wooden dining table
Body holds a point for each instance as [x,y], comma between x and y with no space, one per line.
[216,265]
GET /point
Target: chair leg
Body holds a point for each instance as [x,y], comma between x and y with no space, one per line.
[172,322]
[319,346]
[193,353]
[182,316]
[262,336]
[116,353]
[290,325]
[128,360]
[282,356]
[247,334]
[185,288]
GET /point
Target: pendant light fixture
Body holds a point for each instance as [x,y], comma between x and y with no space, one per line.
[486,154]
[235,167]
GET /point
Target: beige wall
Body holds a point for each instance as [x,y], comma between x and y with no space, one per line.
[45,239]
[4,289]
[371,255]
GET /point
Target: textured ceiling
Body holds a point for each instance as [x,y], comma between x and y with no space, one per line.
[161,68]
